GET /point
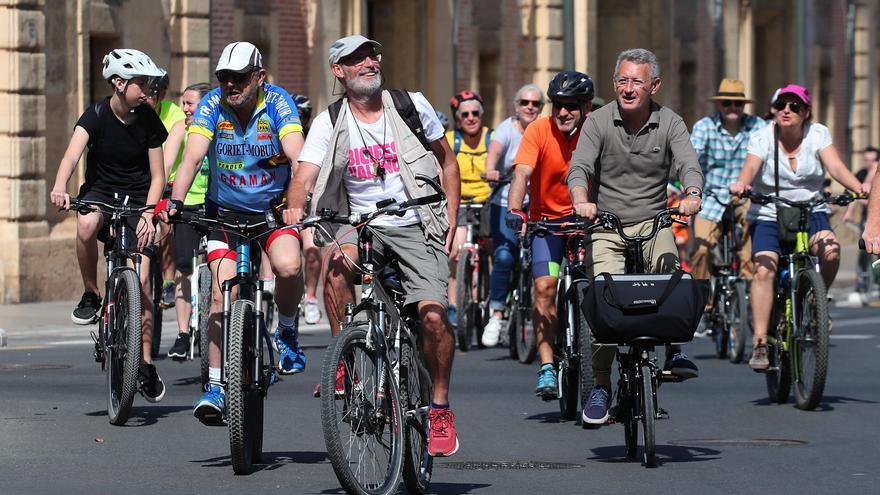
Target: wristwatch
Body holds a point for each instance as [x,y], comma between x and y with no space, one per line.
[695,192]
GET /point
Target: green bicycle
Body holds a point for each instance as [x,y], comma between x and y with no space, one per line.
[797,337]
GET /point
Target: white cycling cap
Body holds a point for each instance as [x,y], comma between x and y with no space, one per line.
[240,56]
[128,63]
[344,47]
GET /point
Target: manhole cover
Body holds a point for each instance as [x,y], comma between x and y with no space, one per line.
[755,442]
[33,367]
[505,465]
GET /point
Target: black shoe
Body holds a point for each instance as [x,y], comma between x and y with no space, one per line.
[149,383]
[180,350]
[86,312]
[679,365]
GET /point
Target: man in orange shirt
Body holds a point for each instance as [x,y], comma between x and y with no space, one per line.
[542,161]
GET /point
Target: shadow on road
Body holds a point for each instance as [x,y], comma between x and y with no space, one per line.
[665,454]
[187,381]
[444,488]
[145,415]
[271,460]
[547,417]
[824,406]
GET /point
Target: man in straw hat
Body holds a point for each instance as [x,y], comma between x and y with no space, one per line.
[721,141]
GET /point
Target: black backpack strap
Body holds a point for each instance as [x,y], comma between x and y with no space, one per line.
[407,110]
[776,154]
[333,109]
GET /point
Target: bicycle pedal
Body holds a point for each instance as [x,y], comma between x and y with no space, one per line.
[668,377]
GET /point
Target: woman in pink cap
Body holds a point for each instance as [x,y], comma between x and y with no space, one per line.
[799,152]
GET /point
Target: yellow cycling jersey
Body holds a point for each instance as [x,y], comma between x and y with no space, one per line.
[471,164]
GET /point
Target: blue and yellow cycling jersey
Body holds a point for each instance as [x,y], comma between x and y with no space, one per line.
[248,167]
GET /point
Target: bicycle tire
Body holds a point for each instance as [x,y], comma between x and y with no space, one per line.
[739,328]
[585,350]
[810,340]
[779,372]
[718,319]
[464,285]
[204,302]
[568,369]
[415,386]
[123,354]
[649,416]
[513,314]
[356,415]
[526,341]
[481,305]
[242,386]
[156,278]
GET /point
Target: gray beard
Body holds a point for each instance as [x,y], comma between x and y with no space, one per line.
[363,90]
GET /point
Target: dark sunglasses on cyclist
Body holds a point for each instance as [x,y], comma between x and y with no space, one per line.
[475,113]
[568,105]
[732,103]
[227,76]
[534,103]
[794,106]
[356,59]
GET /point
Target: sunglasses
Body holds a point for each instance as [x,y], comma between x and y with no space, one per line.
[733,103]
[794,106]
[356,59]
[475,113]
[534,103]
[228,76]
[568,105]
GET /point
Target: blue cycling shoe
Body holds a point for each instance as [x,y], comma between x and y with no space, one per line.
[547,383]
[291,358]
[211,407]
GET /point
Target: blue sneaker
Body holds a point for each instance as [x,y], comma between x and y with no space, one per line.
[596,410]
[211,408]
[291,358]
[452,314]
[547,384]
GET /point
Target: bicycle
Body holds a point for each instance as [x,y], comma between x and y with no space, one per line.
[472,279]
[729,316]
[636,398]
[797,336]
[574,366]
[247,353]
[520,329]
[118,342]
[376,369]
[156,281]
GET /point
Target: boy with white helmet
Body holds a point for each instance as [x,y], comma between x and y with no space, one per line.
[124,138]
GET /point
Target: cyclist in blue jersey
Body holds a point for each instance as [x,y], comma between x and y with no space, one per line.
[251,132]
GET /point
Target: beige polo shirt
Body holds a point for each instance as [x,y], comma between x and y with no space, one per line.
[632,170]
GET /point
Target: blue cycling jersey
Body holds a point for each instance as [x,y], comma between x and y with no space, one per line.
[248,167]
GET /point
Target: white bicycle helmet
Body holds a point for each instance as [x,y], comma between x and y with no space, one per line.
[128,63]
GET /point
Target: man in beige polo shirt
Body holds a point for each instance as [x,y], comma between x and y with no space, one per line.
[628,151]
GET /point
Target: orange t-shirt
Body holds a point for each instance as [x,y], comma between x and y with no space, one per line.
[548,152]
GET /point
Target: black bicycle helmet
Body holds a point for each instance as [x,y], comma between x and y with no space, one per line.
[303,107]
[571,84]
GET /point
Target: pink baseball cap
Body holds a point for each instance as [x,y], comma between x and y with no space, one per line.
[799,91]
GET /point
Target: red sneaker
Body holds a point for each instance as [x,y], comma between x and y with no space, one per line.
[442,441]
[340,383]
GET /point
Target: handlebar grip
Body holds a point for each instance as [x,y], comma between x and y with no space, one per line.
[862,244]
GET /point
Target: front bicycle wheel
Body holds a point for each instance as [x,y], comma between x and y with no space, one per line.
[416,391]
[718,318]
[809,353]
[481,305]
[568,367]
[649,415]
[464,300]
[362,420]
[123,346]
[243,396]
[526,343]
[628,408]
[204,302]
[739,328]
[585,350]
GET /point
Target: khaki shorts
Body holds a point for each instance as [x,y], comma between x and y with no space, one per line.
[607,252]
[424,264]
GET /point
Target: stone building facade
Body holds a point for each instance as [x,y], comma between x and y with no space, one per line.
[52,50]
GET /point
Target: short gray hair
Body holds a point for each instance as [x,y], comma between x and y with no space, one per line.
[528,87]
[639,56]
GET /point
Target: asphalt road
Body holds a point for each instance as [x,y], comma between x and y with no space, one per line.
[723,435]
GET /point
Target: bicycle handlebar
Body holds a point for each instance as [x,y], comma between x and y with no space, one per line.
[385,207]
[199,221]
[662,219]
[839,200]
[84,206]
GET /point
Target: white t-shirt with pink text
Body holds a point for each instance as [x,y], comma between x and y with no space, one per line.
[374,140]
